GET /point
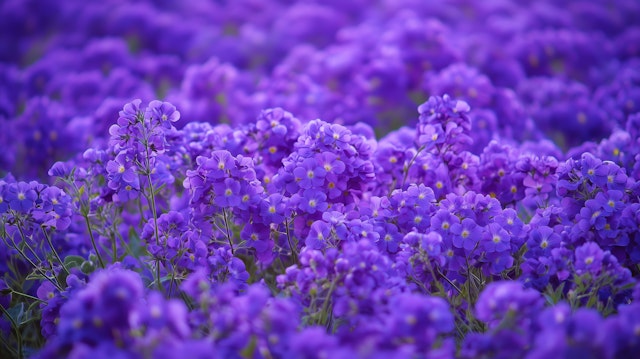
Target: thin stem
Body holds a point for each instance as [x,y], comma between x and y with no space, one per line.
[15,326]
[27,296]
[36,267]
[435,278]
[14,353]
[112,236]
[151,199]
[140,210]
[469,285]
[93,240]
[294,250]
[325,305]
[226,225]
[147,171]
[406,169]
[55,253]
[114,248]
[160,286]
[449,281]
[173,280]
[152,205]
[26,243]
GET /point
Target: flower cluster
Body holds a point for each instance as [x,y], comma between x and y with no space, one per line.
[306,179]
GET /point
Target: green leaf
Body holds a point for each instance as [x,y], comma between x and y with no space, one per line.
[35,275]
[249,350]
[72,261]
[16,312]
[87,267]
[61,278]
[27,317]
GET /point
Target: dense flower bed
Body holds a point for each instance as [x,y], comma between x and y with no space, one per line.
[319,179]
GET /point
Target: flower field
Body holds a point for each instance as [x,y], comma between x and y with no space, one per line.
[320,179]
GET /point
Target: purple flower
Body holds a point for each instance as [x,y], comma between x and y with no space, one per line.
[313,342]
[577,334]
[611,175]
[541,241]
[590,216]
[443,121]
[123,177]
[171,228]
[589,166]
[499,262]
[20,196]
[130,113]
[271,120]
[625,326]
[227,194]
[495,239]
[431,135]
[390,238]
[159,314]
[60,169]
[319,235]
[309,174]
[162,113]
[4,204]
[312,201]
[273,209]
[420,196]
[611,202]
[502,299]
[330,163]
[467,234]
[336,136]
[55,210]
[421,318]
[257,237]
[443,221]
[589,258]
[219,164]
[101,312]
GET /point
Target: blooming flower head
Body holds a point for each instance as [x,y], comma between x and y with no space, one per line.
[20,196]
[312,201]
[504,298]
[162,113]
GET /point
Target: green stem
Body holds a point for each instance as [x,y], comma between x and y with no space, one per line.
[36,267]
[114,248]
[53,249]
[16,328]
[173,275]
[147,171]
[325,305]
[27,296]
[93,240]
[14,353]
[294,250]
[406,169]
[450,282]
[26,243]
[112,236]
[160,286]
[152,205]
[226,226]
